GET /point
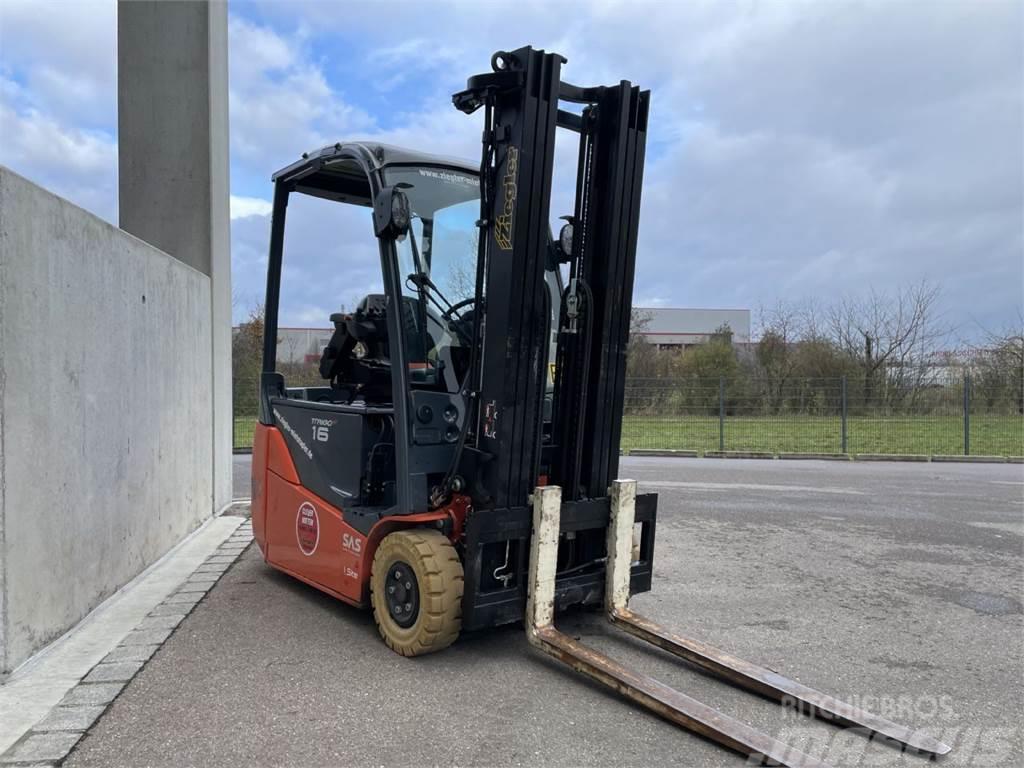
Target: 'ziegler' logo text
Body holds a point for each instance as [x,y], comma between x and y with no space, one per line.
[503,223]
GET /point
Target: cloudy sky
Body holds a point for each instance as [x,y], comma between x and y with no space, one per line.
[797,150]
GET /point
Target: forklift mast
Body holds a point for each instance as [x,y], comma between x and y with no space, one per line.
[521,431]
[580,449]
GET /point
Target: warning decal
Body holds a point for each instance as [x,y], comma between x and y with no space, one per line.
[307,528]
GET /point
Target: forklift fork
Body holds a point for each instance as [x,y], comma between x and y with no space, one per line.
[654,695]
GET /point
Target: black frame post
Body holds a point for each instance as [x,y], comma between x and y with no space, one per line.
[721,413]
[273,297]
[842,406]
[967,413]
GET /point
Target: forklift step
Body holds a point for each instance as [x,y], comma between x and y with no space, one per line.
[654,695]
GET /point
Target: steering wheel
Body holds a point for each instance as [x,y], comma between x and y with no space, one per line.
[450,312]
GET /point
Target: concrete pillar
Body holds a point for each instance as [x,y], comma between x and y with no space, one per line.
[172,90]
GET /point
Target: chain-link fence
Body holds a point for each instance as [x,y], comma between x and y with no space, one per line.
[246,395]
[245,401]
[951,415]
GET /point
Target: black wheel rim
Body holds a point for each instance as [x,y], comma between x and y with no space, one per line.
[402,594]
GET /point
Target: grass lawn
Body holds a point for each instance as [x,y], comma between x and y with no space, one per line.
[990,435]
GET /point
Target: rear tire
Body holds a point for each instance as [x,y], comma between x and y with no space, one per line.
[435,598]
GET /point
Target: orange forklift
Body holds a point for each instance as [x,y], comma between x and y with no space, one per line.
[458,468]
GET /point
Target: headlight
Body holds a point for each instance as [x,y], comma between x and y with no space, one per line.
[565,239]
[400,213]
[359,351]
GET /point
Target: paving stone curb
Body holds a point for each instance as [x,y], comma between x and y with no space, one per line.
[739,455]
[50,741]
[951,459]
[678,452]
[891,457]
[970,459]
[816,456]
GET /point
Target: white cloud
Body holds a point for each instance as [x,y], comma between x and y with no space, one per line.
[80,165]
[67,54]
[241,207]
[58,98]
[331,259]
[397,63]
[795,149]
[281,102]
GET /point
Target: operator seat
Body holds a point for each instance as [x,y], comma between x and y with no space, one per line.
[356,357]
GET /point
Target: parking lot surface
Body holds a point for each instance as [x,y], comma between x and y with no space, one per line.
[894,586]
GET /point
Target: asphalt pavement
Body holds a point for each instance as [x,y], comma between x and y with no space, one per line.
[897,587]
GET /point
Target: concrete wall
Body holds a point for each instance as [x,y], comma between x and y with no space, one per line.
[173,180]
[163,122]
[105,434]
[223,419]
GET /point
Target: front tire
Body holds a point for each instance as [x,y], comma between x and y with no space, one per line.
[416,584]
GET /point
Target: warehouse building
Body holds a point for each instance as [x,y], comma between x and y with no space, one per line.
[679,328]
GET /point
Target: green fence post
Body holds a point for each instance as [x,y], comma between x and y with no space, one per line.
[721,413]
[967,414]
[842,395]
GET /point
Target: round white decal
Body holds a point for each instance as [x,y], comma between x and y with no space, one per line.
[307,528]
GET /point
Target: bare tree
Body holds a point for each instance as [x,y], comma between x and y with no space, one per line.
[459,275]
[291,342]
[246,358]
[639,321]
[781,328]
[894,337]
[641,356]
[998,367]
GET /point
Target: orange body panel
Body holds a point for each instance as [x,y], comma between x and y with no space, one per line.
[323,559]
[301,534]
[279,461]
